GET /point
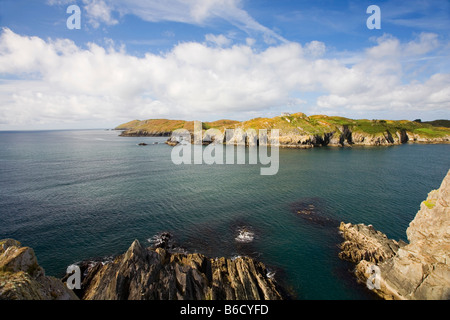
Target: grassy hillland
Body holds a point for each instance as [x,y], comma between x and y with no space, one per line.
[299,129]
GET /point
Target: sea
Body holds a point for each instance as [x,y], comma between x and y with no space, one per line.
[75,195]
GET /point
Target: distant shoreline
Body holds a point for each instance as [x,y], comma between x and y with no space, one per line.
[299,131]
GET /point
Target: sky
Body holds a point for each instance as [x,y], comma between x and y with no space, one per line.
[220,59]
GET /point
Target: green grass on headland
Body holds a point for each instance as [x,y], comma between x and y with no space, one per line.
[301,124]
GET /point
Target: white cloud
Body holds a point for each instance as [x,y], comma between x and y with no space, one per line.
[250,41]
[52,81]
[99,12]
[219,40]
[316,48]
[425,43]
[197,12]
[59,2]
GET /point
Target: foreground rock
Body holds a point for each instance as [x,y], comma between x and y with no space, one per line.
[365,243]
[157,274]
[21,277]
[418,270]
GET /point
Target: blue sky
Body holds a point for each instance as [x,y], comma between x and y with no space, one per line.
[215,59]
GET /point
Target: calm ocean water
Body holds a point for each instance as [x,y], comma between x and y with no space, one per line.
[73,195]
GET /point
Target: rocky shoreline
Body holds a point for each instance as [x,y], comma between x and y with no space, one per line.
[157,274]
[342,138]
[21,277]
[394,270]
[160,272]
[297,131]
[418,270]
[143,133]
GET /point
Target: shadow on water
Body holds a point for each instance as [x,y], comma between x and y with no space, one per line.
[238,237]
[314,211]
[235,238]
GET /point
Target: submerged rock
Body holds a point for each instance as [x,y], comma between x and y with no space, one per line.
[159,274]
[314,211]
[22,278]
[418,270]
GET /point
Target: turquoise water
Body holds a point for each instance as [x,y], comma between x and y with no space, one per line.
[73,195]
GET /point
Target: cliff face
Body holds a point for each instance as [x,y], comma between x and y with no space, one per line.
[156,274]
[417,270]
[21,277]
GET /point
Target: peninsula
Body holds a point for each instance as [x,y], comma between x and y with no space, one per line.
[301,131]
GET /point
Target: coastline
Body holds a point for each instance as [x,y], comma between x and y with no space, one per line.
[131,148]
[396,270]
[306,142]
[296,131]
[160,272]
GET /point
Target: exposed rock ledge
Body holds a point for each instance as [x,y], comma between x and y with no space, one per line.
[419,270]
[21,277]
[157,274]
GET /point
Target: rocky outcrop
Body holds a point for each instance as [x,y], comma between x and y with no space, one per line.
[417,270]
[160,274]
[21,277]
[365,243]
[144,133]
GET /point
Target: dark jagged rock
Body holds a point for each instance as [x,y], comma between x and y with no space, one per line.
[365,243]
[165,240]
[159,274]
[143,133]
[312,210]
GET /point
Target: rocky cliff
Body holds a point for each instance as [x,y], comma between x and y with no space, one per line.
[21,277]
[158,274]
[419,269]
[300,131]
